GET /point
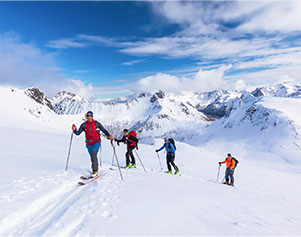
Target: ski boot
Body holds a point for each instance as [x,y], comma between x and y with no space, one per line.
[226,182]
[177,171]
[94,174]
[127,167]
[133,166]
[232,183]
[168,172]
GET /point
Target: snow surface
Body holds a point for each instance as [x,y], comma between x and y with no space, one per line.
[38,198]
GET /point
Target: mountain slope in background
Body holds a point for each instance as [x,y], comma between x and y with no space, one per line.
[194,118]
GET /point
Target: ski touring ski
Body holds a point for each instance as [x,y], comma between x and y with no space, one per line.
[90,179]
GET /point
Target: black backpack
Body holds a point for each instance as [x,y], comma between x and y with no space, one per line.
[236,162]
[172,141]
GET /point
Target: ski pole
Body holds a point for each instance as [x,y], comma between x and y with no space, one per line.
[100,154]
[140,160]
[69,151]
[159,161]
[114,152]
[219,167]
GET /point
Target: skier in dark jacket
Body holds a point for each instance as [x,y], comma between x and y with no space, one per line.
[130,139]
[91,128]
[170,156]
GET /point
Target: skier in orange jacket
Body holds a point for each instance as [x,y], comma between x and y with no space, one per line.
[230,164]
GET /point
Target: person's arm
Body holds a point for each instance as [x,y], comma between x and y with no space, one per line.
[121,140]
[101,128]
[80,130]
[223,162]
[160,149]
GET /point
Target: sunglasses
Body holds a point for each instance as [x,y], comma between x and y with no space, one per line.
[89,115]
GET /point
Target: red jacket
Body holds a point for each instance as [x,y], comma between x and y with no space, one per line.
[92,135]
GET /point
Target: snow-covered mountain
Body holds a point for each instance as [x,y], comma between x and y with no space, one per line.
[194,118]
[67,103]
[152,115]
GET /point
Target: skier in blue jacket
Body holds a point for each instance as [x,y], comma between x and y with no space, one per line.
[170,155]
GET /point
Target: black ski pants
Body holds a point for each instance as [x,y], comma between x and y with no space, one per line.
[129,155]
[170,157]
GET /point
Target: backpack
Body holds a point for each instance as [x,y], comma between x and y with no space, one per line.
[172,141]
[132,133]
[236,162]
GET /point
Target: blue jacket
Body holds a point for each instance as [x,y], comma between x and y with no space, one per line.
[169,147]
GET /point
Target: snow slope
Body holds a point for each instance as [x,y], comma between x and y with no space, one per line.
[38,198]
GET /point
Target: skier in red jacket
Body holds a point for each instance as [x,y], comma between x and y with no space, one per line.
[91,128]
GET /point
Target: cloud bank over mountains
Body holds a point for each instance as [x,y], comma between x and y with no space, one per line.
[233,44]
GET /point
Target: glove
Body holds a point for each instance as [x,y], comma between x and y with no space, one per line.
[219,163]
[157,150]
[115,139]
[111,138]
[73,127]
[117,143]
[137,146]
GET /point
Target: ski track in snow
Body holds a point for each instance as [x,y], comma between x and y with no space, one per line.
[56,210]
[54,203]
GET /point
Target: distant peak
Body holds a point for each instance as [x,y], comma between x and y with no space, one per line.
[37,95]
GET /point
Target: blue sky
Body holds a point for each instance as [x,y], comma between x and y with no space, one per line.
[110,49]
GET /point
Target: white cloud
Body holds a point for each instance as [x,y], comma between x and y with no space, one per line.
[130,63]
[207,17]
[84,41]
[66,43]
[160,81]
[98,40]
[25,65]
[203,80]
[268,76]
[77,87]
[273,16]
[240,85]
[203,33]
[209,80]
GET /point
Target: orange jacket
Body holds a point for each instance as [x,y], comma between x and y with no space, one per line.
[229,163]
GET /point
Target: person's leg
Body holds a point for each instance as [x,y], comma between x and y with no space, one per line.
[173,162]
[168,160]
[93,149]
[227,175]
[127,158]
[94,161]
[231,174]
[132,155]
